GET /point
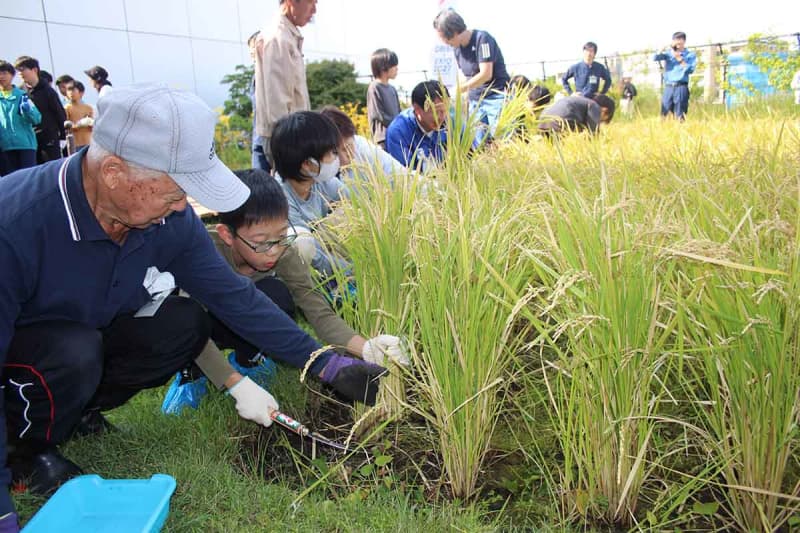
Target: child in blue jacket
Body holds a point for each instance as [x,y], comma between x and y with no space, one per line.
[18,115]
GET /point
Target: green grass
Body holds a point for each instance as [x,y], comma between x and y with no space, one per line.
[220,489]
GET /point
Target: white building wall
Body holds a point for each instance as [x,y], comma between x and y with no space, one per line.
[189,44]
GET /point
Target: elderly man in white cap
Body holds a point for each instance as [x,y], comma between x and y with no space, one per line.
[91,248]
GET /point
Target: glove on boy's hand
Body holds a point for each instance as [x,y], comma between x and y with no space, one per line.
[376,350]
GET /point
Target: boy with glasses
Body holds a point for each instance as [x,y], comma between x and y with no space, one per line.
[256,240]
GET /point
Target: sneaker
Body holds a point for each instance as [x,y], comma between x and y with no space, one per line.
[261,369]
[43,472]
[184,392]
[337,296]
[93,423]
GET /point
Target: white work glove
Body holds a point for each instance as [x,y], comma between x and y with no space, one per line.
[252,402]
[85,122]
[377,349]
[305,244]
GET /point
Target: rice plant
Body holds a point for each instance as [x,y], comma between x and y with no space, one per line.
[637,285]
[374,229]
[468,264]
[610,337]
[750,374]
[739,319]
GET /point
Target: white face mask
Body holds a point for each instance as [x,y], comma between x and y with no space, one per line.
[326,170]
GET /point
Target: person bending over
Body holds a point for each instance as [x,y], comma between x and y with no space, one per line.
[576,113]
[257,241]
[416,137]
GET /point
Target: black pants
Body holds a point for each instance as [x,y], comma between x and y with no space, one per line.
[277,291]
[13,160]
[49,150]
[259,159]
[56,370]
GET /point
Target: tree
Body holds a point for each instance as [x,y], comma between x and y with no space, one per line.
[333,82]
[773,57]
[239,106]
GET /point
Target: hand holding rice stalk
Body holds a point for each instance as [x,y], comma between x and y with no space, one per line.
[375,232]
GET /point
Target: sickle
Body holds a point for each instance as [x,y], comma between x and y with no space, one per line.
[296,427]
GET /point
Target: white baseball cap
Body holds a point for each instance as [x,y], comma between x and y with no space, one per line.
[172,131]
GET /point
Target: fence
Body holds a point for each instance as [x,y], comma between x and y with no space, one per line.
[712,66]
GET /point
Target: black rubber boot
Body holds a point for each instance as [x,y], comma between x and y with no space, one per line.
[93,423]
[43,472]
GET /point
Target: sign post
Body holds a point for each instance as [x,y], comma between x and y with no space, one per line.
[443,61]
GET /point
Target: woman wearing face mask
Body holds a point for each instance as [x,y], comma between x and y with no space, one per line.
[304,147]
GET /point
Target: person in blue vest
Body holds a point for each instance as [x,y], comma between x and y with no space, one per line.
[481,61]
[679,63]
[588,74]
[416,137]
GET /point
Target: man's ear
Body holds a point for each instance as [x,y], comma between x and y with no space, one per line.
[225,234]
[113,171]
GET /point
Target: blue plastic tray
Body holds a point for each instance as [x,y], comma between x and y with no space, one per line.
[90,504]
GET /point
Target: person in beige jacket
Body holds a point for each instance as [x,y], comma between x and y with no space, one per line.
[280,72]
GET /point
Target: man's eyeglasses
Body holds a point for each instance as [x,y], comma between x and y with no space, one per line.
[264,247]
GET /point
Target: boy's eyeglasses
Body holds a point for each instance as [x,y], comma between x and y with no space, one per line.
[264,247]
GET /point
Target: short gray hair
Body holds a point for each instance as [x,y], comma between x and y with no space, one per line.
[97,153]
[449,23]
